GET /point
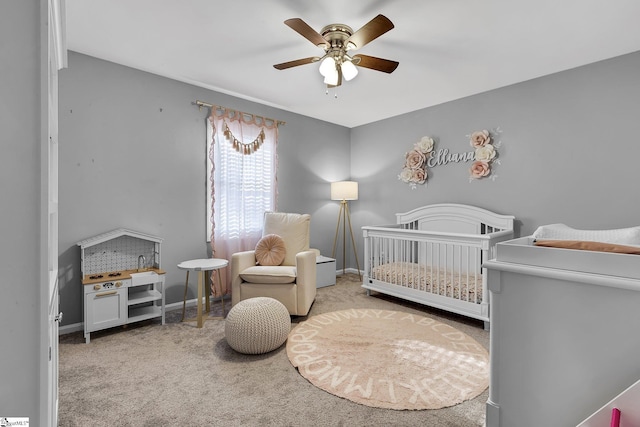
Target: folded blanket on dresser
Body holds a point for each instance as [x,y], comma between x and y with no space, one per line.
[589,246]
[621,240]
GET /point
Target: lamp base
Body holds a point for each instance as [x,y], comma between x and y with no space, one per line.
[344,216]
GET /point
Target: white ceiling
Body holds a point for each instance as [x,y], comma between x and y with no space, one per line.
[447,49]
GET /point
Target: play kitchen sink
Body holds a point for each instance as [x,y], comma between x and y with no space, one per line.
[143,277]
[122,279]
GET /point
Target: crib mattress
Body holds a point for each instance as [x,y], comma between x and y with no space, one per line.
[459,286]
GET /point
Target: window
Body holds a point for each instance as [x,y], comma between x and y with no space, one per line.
[242,156]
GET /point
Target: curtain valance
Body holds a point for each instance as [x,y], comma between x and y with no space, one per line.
[244,131]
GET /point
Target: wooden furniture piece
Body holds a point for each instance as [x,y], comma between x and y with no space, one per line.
[201,266]
[325,271]
[433,255]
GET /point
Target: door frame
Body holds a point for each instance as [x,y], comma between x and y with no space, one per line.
[53,57]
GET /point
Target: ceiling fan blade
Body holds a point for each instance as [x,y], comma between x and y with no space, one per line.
[370,31]
[295,63]
[378,64]
[306,31]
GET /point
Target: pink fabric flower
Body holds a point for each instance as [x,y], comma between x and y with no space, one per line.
[480,138]
[415,159]
[479,169]
[419,176]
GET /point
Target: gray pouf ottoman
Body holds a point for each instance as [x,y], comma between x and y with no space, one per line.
[257,325]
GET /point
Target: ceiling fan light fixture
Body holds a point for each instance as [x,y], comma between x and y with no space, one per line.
[328,66]
[349,70]
[336,39]
[331,78]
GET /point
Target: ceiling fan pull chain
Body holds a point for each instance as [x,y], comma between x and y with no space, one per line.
[335,94]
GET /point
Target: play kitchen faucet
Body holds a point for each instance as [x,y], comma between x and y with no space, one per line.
[141,262]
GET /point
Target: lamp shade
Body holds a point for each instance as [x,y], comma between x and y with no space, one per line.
[344,190]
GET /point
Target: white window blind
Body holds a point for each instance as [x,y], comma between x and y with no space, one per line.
[244,187]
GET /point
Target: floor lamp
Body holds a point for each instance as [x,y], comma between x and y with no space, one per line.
[343,191]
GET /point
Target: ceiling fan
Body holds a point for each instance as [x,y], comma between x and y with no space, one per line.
[337,40]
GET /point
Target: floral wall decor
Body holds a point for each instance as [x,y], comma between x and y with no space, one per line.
[414,170]
[423,156]
[485,154]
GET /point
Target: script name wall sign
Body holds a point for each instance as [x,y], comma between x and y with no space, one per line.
[423,157]
[443,156]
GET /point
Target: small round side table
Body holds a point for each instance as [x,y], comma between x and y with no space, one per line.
[202,265]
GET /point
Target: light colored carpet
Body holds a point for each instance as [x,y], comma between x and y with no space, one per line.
[389,359]
[176,374]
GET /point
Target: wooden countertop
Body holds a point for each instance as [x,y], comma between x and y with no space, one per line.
[125,274]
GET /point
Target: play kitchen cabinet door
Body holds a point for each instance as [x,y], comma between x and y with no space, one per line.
[104,308]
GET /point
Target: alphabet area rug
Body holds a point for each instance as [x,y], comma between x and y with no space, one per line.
[389,359]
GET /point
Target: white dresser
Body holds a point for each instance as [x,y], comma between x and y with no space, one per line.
[564,334]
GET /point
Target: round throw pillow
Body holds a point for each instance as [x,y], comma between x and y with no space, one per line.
[270,250]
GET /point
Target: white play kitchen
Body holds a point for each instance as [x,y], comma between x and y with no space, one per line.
[122,279]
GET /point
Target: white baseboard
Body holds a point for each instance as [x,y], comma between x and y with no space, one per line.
[349,270]
[68,329]
[192,303]
[77,327]
[492,414]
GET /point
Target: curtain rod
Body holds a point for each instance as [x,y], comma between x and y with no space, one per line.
[201,104]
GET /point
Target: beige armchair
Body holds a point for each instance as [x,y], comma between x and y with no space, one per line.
[293,282]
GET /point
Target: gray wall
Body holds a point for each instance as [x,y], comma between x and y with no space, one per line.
[569,152]
[132,155]
[20,289]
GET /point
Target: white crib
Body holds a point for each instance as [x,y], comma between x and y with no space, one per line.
[433,255]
